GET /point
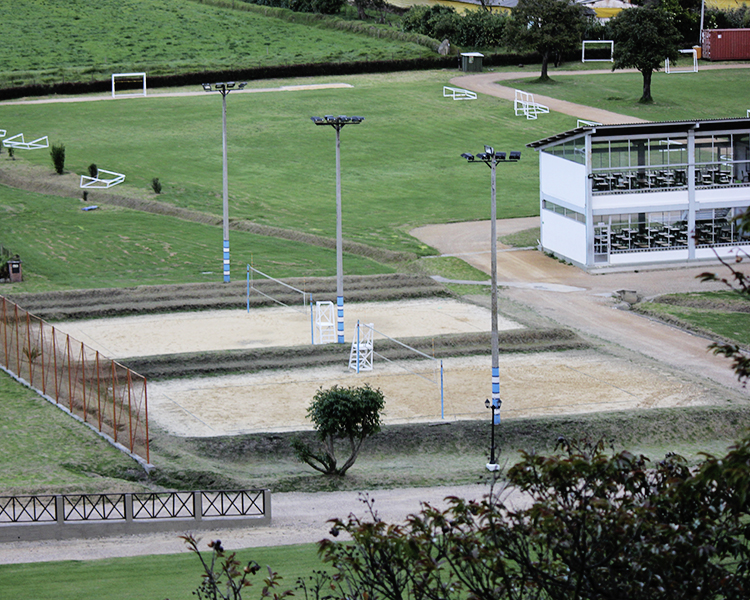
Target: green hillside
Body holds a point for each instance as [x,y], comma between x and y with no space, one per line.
[81,40]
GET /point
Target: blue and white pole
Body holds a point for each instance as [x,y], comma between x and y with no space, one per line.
[491,159]
[338,123]
[224,88]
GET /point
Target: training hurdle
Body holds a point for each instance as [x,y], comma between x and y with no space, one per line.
[361,357]
[693,69]
[525,105]
[101,182]
[18,142]
[458,93]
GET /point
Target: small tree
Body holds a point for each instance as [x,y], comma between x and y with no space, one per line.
[156,185]
[351,414]
[549,27]
[644,38]
[57,152]
[93,170]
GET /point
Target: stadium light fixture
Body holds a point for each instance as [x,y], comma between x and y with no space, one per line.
[492,158]
[224,88]
[338,124]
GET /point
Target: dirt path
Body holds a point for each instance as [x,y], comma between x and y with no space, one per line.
[298,518]
[584,301]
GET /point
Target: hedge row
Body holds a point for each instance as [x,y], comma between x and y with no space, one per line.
[271,72]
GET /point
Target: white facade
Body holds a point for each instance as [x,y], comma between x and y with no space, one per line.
[620,195]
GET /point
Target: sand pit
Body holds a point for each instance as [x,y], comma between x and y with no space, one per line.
[207,331]
[531,384]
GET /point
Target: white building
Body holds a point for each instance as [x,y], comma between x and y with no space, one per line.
[645,193]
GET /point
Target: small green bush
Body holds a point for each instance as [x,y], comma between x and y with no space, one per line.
[93,170]
[156,185]
[57,152]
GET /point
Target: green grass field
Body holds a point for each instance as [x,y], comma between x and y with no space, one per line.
[173,576]
[79,40]
[708,94]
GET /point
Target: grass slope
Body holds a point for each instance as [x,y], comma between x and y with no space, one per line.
[63,247]
[721,315]
[42,449]
[79,40]
[400,170]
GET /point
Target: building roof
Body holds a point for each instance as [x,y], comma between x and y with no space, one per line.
[641,129]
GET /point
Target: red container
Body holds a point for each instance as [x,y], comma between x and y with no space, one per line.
[726,44]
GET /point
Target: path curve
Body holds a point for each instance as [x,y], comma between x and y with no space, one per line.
[592,308]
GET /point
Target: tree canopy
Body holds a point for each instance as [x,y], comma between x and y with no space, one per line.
[644,38]
[549,27]
[351,414]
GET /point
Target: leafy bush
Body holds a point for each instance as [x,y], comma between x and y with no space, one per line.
[156,185]
[351,414]
[478,28]
[325,7]
[57,152]
[93,170]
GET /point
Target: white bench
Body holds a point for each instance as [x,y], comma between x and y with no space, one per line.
[524,105]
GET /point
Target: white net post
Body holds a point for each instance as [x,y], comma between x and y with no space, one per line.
[324,322]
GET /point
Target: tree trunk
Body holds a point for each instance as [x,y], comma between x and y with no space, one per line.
[646,97]
[545,62]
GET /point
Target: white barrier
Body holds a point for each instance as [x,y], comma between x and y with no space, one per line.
[524,104]
[17,141]
[458,93]
[100,182]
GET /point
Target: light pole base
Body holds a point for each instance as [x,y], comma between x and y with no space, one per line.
[492,467]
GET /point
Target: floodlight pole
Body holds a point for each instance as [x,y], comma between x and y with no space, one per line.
[492,159]
[224,88]
[338,123]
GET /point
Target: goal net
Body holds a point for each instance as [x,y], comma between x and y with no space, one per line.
[127,83]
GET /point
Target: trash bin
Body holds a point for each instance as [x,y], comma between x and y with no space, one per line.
[471,62]
[698,52]
[14,268]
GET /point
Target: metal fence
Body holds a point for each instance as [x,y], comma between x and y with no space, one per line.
[101,392]
[88,515]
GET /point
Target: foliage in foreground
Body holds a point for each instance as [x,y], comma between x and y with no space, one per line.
[584,523]
[592,525]
[339,413]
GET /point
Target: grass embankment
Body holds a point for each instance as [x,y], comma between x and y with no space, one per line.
[723,316]
[82,40]
[44,451]
[398,173]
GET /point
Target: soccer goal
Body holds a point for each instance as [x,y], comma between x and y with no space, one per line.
[668,68]
[597,44]
[104,180]
[129,82]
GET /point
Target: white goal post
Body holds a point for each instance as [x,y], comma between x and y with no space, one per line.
[129,77]
[611,44]
[668,68]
